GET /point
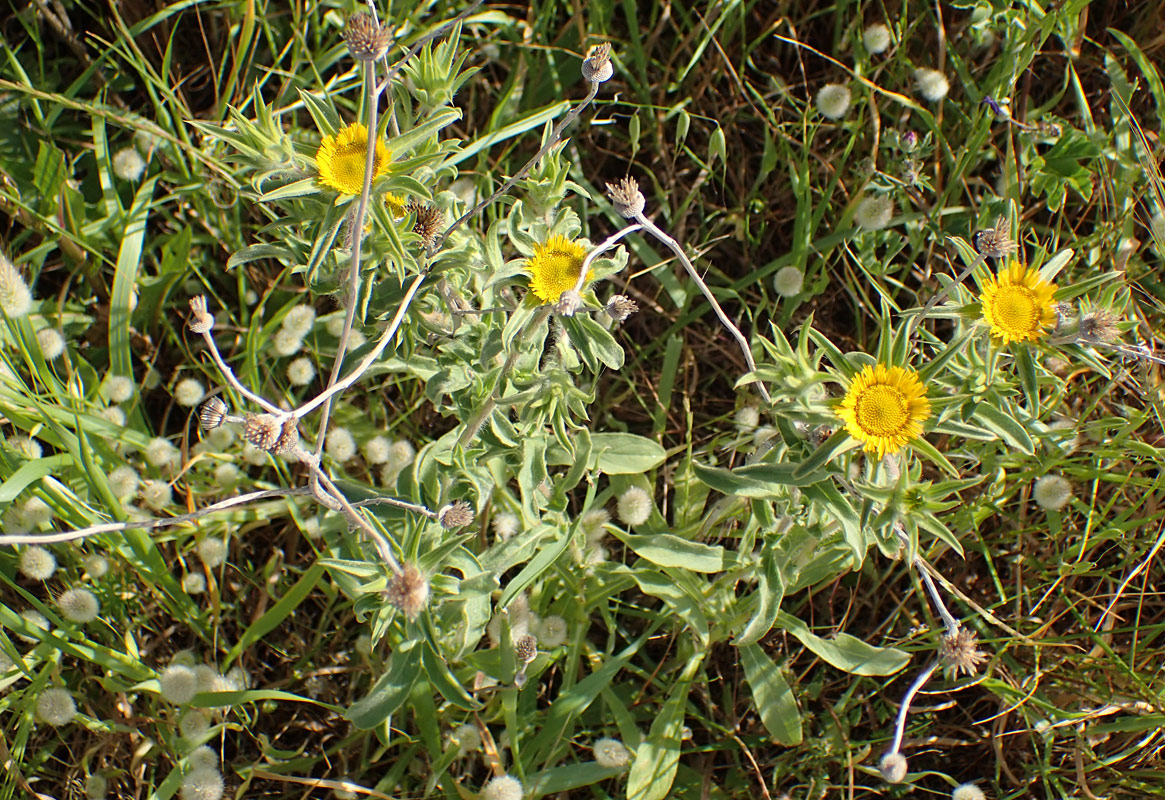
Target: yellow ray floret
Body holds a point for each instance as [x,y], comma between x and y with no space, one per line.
[341,158]
[554,268]
[884,408]
[1017,304]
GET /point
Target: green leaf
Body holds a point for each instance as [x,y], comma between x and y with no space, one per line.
[846,652]
[839,442]
[593,342]
[770,591]
[656,761]
[125,278]
[390,692]
[31,471]
[300,188]
[667,550]
[625,453]
[285,606]
[258,251]
[773,698]
[1005,426]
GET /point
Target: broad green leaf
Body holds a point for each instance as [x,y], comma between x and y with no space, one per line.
[773,698]
[391,690]
[846,652]
[656,760]
[667,550]
[1005,426]
[625,453]
[770,591]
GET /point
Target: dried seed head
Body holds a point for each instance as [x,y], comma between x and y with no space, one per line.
[367,40]
[960,652]
[568,303]
[269,432]
[408,591]
[212,414]
[597,66]
[455,515]
[629,201]
[201,320]
[525,649]
[995,242]
[428,222]
[893,767]
[620,307]
[1098,326]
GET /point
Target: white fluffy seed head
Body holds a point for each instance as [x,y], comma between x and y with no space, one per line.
[202,784]
[286,343]
[340,445]
[114,415]
[189,392]
[96,566]
[79,605]
[212,551]
[1052,492]
[612,753]
[747,418]
[466,738]
[36,511]
[301,371]
[55,707]
[161,454]
[52,343]
[128,164]
[15,296]
[178,684]
[116,388]
[634,506]
[551,632]
[876,38]
[299,320]
[400,455]
[29,448]
[874,212]
[96,787]
[37,563]
[226,475]
[376,450]
[594,524]
[194,583]
[156,494]
[789,281]
[833,100]
[893,767]
[194,725]
[968,791]
[505,524]
[201,757]
[334,325]
[503,787]
[124,481]
[932,84]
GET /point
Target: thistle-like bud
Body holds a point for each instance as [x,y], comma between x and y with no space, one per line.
[597,66]
[525,649]
[628,200]
[995,242]
[455,515]
[201,320]
[568,303]
[960,652]
[269,432]
[212,414]
[428,221]
[1098,326]
[620,307]
[367,40]
[408,591]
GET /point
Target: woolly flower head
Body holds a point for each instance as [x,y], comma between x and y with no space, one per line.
[968,791]
[116,388]
[876,38]
[376,450]
[833,100]
[505,525]
[96,787]
[1052,492]
[193,583]
[554,268]
[400,455]
[932,84]
[789,281]
[160,453]
[467,738]
[1017,304]
[189,392]
[874,212]
[156,494]
[594,523]
[213,551]
[27,447]
[551,631]
[342,156]
[178,684]
[36,511]
[301,371]
[286,343]
[503,787]
[128,164]
[893,767]
[612,753]
[79,605]
[299,320]
[124,481]
[194,725]
[747,418]
[96,566]
[226,475]
[204,783]
[340,444]
[55,707]
[15,297]
[52,344]
[37,563]
[634,506]
[884,408]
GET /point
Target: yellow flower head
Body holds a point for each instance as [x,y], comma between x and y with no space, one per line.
[554,268]
[884,408]
[1017,304]
[341,158]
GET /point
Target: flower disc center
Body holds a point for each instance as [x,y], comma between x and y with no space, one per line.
[882,410]
[1017,309]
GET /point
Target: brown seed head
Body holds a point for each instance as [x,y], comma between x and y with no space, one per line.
[212,414]
[1098,326]
[625,195]
[455,515]
[367,40]
[597,67]
[428,221]
[960,652]
[525,649]
[269,432]
[408,591]
[201,320]
[620,307]
[995,242]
